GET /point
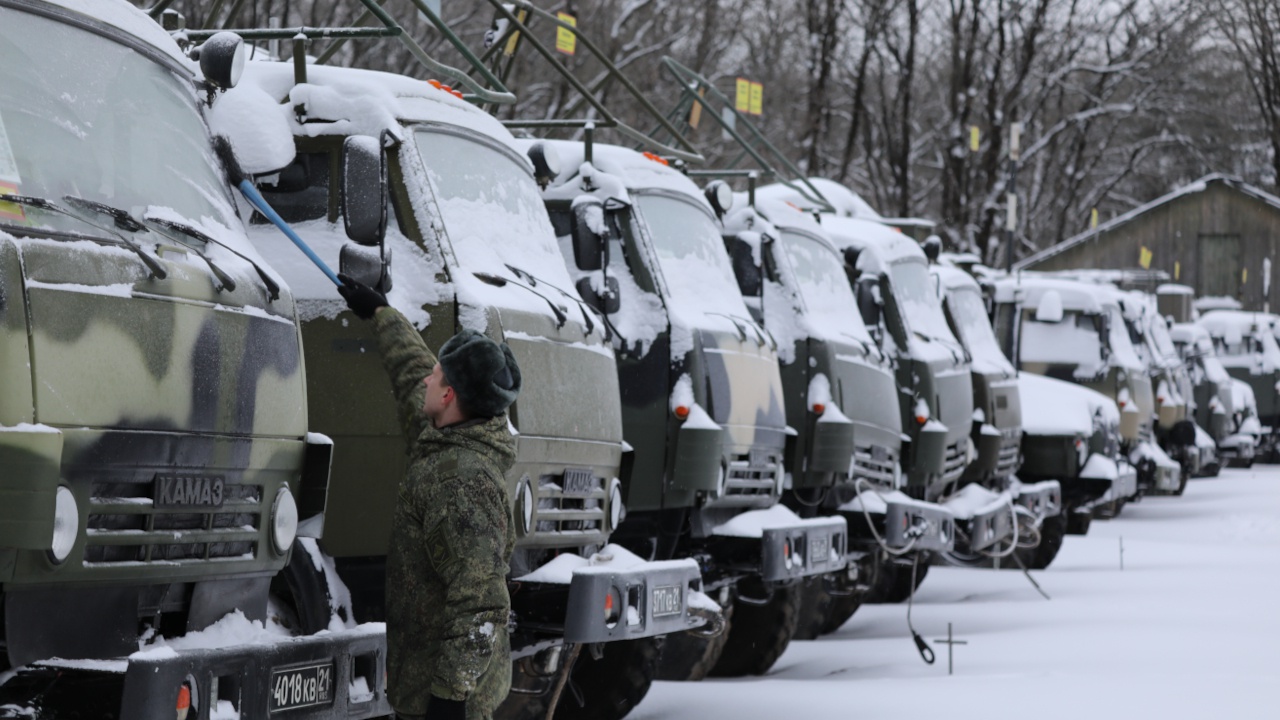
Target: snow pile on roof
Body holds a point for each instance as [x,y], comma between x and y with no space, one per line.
[846,202]
[1216,302]
[1234,328]
[120,14]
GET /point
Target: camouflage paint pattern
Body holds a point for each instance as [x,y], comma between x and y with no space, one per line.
[451,542]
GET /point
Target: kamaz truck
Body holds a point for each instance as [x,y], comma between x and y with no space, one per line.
[839,389]
[156,470]
[703,401]
[1216,407]
[411,189]
[1247,347]
[1075,331]
[997,434]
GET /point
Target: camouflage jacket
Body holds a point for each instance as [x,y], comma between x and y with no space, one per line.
[451,543]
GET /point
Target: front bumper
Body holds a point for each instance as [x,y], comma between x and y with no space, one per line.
[1043,499]
[781,550]
[900,521]
[250,681]
[611,596]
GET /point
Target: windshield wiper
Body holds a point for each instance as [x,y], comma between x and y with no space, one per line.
[157,270]
[273,288]
[494,280]
[125,221]
[535,281]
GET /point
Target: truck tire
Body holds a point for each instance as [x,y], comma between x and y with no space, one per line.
[304,590]
[760,632]
[842,608]
[613,685]
[689,656]
[1078,522]
[815,607]
[900,586]
[1052,532]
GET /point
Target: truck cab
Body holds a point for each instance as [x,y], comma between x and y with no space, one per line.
[1216,407]
[1075,331]
[158,471]
[1247,347]
[703,401]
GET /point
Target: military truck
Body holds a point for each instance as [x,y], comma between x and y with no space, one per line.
[1071,435]
[838,387]
[1075,331]
[468,244]
[997,434]
[1217,409]
[158,469]
[1247,347]
[702,400]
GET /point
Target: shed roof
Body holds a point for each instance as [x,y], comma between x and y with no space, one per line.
[1198,186]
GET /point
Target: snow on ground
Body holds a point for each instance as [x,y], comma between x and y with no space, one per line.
[1190,629]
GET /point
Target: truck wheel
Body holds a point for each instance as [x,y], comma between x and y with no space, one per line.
[842,608]
[1052,531]
[689,656]
[308,592]
[815,607]
[1078,522]
[900,587]
[613,685]
[760,632]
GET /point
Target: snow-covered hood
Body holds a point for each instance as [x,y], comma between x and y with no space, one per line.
[1056,407]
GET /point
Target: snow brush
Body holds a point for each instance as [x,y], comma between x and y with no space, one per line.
[222,148]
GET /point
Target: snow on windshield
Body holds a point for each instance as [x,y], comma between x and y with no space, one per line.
[694,264]
[1123,353]
[970,314]
[917,291]
[830,308]
[1072,341]
[122,130]
[496,223]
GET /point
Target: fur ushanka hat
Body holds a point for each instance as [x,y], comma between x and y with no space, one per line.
[482,372]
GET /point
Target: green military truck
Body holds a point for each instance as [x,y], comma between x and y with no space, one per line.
[1217,409]
[1075,331]
[702,399]
[1247,347]
[157,465]
[467,244]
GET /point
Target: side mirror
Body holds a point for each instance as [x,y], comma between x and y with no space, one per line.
[932,248]
[366,265]
[607,302]
[720,196]
[868,307]
[743,259]
[893,317]
[1050,309]
[364,190]
[546,163]
[222,59]
[588,233]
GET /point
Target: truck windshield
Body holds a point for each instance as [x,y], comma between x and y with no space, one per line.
[917,292]
[970,316]
[1159,334]
[693,261]
[1075,340]
[828,300]
[495,220]
[123,130]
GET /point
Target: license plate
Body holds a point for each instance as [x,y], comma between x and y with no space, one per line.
[301,687]
[579,482]
[819,547]
[666,601]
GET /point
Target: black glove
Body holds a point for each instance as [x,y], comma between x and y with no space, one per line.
[440,709]
[363,300]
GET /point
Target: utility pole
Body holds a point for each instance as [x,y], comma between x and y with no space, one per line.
[1011,217]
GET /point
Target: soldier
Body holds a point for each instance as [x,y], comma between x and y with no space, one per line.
[448,654]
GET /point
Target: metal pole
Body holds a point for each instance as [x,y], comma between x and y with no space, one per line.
[1011,223]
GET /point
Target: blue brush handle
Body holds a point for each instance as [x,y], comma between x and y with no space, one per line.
[252,195]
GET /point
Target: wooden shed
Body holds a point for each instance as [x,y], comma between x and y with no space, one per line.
[1216,235]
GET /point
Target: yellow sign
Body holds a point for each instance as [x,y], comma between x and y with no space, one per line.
[1244,276]
[757,98]
[1177,270]
[1144,258]
[566,41]
[695,112]
[514,40]
[975,138]
[1093,218]
[742,99]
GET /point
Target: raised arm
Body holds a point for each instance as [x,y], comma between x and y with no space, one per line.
[407,360]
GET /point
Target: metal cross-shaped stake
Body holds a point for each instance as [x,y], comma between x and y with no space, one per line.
[950,643]
[1122,552]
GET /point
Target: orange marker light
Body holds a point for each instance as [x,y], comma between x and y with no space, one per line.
[819,408]
[608,605]
[184,701]
[922,419]
[656,158]
[682,412]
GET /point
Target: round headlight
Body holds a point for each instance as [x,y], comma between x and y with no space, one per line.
[616,511]
[284,521]
[524,506]
[66,524]
[720,196]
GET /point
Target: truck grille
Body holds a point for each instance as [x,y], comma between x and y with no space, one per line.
[125,526]
[954,464]
[1010,453]
[754,475]
[873,463]
[570,514]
